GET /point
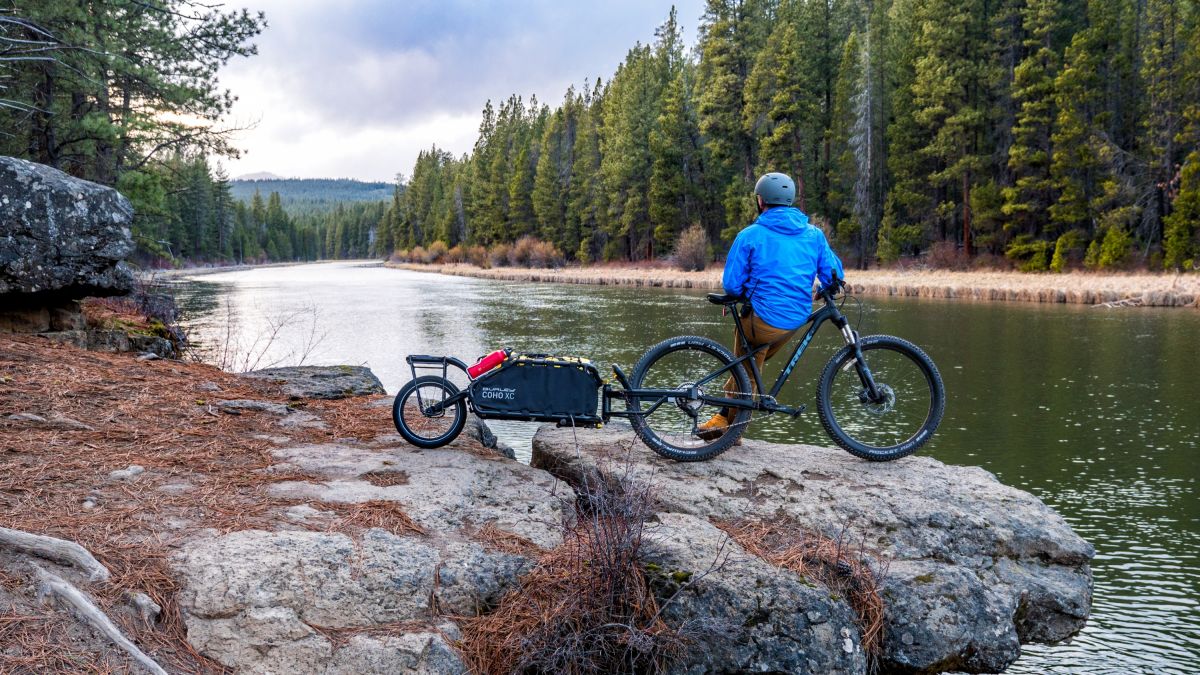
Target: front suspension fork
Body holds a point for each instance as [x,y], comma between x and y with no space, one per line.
[870,393]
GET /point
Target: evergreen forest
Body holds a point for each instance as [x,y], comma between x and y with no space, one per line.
[1040,134]
[1044,134]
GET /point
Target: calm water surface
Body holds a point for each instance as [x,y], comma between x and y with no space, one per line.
[1095,411]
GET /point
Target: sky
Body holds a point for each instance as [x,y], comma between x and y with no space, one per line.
[356,88]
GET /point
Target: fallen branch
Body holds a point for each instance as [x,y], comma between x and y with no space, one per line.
[1135,301]
[58,550]
[86,610]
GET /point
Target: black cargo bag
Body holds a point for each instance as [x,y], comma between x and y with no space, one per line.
[538,387]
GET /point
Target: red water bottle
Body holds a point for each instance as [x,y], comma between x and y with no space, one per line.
[487,363]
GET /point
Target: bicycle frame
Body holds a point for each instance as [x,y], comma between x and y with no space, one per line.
[761,402]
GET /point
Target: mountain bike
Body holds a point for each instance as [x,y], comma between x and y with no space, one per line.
[879,397]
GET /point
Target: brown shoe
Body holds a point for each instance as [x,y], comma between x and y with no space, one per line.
[714,428]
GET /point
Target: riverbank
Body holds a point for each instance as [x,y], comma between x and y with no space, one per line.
[253,523]
[204,270]
[1132,289]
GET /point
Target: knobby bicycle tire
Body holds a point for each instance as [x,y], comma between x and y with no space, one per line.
[842,362]
[654,440]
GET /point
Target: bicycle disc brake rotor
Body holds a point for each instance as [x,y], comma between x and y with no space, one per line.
[886,405]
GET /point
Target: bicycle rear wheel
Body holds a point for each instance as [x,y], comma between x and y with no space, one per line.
[668,424]
[912,407]
[421,420]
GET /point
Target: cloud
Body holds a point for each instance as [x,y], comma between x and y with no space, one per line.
[357,88]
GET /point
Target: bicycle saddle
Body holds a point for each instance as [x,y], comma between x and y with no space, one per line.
[723,298]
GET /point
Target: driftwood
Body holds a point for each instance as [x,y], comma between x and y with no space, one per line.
[86,610]
[58,550]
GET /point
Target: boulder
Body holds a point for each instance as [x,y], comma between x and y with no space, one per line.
[975,568]
[312,600]
[445,490]
[752,617]
[323,382]
[61,238]
[265,601]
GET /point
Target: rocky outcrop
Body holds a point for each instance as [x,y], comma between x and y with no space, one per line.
[755,617]
[322,382]
[61,238]
[973,568]
[310,600]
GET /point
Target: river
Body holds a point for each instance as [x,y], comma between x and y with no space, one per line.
[1095,411]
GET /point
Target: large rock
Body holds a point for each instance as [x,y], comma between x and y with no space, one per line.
[324,382]
[272,602]
[752,617]
[264,601]
[61,238]
[976,567]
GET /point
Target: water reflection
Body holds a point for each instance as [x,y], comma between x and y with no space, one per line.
[1092,410]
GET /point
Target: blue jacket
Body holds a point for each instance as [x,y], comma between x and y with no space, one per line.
[773,262]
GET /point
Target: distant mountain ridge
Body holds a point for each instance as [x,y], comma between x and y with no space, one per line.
[260,175]
[312,195]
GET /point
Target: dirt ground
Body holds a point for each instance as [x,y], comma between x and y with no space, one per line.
[81,415]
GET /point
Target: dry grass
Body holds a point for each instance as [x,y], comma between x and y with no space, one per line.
[203,470]
[491,536]
[586,607]
[44,642]
[1159,290]
[375,513]
[853,574]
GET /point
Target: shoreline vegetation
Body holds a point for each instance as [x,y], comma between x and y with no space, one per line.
[1113,290]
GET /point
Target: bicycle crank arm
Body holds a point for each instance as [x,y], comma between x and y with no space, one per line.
[793,411]
[741,403]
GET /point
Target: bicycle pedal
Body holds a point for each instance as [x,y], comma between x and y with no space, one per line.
[795,412]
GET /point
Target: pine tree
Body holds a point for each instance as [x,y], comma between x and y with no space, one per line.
[909,204]
[550,178]
[676,164]
[781,110]
[1029,157]
[731,33]
[948,100]
[1162,73]
[1181,245]
[586,210]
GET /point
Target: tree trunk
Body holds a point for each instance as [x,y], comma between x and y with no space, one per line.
[966,192]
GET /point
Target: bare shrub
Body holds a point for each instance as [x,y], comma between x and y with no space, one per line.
[691,251]
[522,251]
[478,256]
[498,255]
[847,570]
[236,353]
[436,253]
[587,606]
[456,254]
[546,254]
[945,255]
[418,254]
[400,255]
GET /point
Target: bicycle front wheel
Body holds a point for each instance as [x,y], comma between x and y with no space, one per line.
[913,399]
[421,416]
[668,424]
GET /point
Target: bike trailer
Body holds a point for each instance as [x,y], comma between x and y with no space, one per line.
[541,388]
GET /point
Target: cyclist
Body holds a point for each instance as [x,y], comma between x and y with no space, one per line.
[772,264]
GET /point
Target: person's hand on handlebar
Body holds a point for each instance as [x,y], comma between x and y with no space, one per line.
[834,287]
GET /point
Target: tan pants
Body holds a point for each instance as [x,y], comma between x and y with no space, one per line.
[758,333]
